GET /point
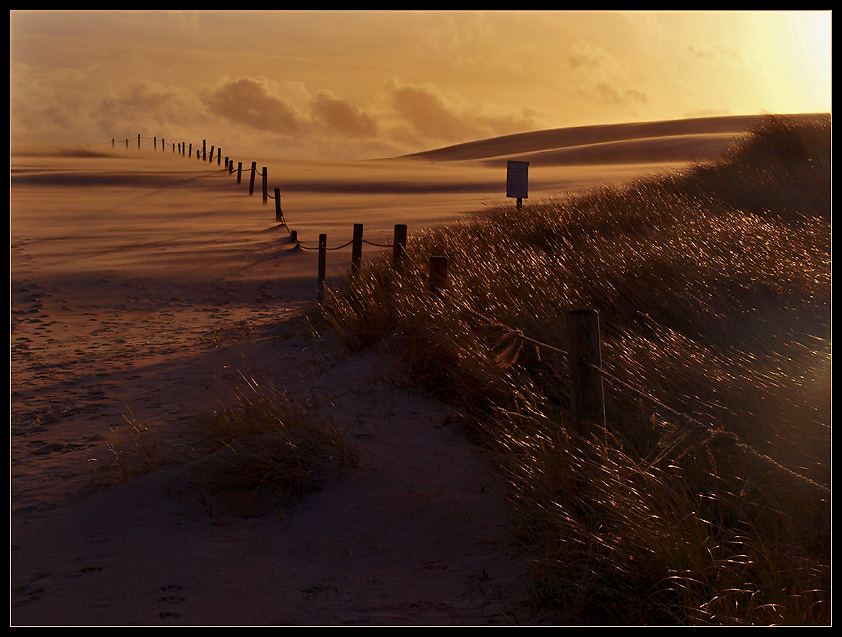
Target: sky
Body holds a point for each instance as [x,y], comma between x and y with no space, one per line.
[366,84]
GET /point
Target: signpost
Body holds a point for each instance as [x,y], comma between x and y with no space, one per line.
[517,173]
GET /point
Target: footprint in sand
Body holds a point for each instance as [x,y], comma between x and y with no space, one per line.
[170,598]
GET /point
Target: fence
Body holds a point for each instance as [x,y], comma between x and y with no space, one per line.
[186,149]
[586,374]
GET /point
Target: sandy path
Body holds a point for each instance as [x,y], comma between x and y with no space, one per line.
[415,535]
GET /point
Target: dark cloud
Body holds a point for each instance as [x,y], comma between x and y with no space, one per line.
[426,111]
[337,116]
[248,101]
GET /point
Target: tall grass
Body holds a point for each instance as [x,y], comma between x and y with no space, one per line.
[713,288]
[266,451]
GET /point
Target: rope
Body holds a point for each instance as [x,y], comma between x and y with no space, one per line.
[716,436]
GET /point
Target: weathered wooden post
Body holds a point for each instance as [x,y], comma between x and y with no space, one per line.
[399,247]
[322,264]
[218,155]
[293,236]
[190,152]
[239,171]
[127,142]
[163,145]
[265,193]
[230,166]
[112,142]
[155,142]
[279,215]
[210,157]
[438,275]
[584,360]
[356,249]
[138,140]
[251,182]
[204,148]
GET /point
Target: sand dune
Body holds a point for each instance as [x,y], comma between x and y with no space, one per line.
[670,141]
[144,281]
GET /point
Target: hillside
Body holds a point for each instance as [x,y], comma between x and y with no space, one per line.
[645,142]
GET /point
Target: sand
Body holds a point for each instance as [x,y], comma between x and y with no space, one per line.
[144,285]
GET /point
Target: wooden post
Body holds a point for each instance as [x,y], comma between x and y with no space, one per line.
[112,142]
[279,215]
[583,356]
[163,145]
[251,182]
[322,264]
[239,171]
[127,142]
[438,275]
[293,236]
[399,247]
[155,143]
[138,140]
[357,249]
[230,166]
[190,153]
[265,193]
[218,155]
[210,157]
[204,148]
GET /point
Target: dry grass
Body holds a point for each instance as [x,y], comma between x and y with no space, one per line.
[267,452]
[713,289]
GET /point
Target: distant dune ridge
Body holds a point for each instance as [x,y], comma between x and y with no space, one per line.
[641,142]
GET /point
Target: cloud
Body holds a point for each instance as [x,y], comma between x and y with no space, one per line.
[434,117]
[252,102]
[617,95]
[337,116]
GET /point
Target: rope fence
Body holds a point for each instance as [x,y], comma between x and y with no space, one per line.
[586,374]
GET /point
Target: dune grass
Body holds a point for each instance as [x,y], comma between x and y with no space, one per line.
[713,290]
[266,451]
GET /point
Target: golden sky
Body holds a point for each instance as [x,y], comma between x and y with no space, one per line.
[362,84]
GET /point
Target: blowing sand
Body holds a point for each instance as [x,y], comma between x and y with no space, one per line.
[144,284]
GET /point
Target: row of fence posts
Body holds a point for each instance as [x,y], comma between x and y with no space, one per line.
[583,353]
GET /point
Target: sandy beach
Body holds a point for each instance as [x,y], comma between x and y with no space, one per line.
[144,286]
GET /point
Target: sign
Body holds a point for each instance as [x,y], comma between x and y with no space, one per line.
[516,178]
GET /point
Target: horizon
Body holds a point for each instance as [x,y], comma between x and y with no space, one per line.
[364,84]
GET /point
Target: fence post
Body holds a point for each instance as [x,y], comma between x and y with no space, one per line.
[218,156]
[210,157]
[163,145]
[438,275]
[357,249]
[265,193]
[239,171]
[112,142]
[322,264]
[279,215]
[138,140]
[190,152]
[399,247]
[583,351]
[251,182]
[204,149]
